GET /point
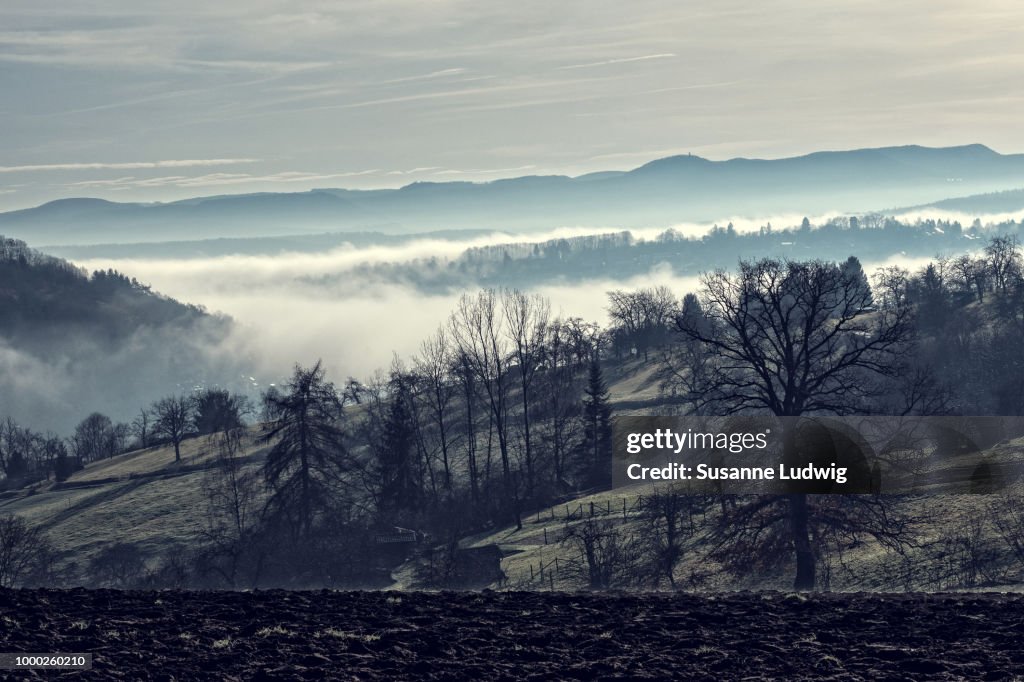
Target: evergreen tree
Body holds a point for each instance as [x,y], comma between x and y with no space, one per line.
[396,468]
[596,448]
[308,456]
[854,273]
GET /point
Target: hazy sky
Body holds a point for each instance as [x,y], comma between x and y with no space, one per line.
[137,100]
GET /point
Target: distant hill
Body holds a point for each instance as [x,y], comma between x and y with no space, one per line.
[73,342]
[227,246]
[665,191]
[1009,201]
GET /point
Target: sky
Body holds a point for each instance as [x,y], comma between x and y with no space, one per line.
[134,100]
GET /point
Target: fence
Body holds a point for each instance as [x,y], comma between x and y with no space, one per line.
[582,510]
[550,574]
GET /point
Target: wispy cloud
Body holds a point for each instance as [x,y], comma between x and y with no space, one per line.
[288,177]
[426,76]
[215,179]
[485,171]
[624,60]
[126,165]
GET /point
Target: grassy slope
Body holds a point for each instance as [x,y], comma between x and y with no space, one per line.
[146,498]
[871,567]
[143,497]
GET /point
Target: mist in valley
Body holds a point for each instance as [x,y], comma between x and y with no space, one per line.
[339,306]
[360,304]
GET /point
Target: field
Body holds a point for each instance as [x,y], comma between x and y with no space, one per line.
[280,635]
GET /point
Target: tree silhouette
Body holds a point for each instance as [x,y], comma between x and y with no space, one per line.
[792,339]
[596,447]
[308,456]
[173,419]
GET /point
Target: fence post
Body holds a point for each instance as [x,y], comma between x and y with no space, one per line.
[623,509]
[591,510]
[531,571]
[556,565]
[551,577]
[545,536]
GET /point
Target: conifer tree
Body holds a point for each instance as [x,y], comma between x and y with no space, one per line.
[596,448]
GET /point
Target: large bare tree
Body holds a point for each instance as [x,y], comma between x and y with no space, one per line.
[791,339]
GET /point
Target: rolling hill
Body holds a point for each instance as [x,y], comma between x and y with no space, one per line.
[662,192]
[72,342]
[145,499]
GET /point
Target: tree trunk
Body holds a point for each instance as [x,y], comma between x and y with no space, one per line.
[801,542]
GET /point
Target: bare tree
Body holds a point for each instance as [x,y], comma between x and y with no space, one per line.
[467,383]
[94,438]
[173,420]
[434,366]
[791,339]
[668,524]
[15,444]
[562,428]
[969,274]
[476,329]
[645,315]
[607,558]
[121,565]
[24,551]
[217,410]
[232,493]
[1004,260]
[142,427]
[527,318]
[892,283]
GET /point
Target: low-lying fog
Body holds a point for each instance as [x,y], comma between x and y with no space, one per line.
[355,325]
[291,308]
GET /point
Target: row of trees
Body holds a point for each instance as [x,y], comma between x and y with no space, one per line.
[26,455]
[504,408]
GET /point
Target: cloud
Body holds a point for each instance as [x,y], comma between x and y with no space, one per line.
[217,179]
[485,171]
[625,60]
[426,76]
[386,84]
[128,165]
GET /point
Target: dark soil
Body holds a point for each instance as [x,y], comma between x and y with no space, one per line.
[518,636]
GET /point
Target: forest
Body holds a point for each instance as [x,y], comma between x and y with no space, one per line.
[506,411]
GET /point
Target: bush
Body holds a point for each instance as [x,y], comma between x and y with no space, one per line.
[26,557]
[121,566]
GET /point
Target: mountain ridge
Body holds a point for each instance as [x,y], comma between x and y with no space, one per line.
[670,190]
